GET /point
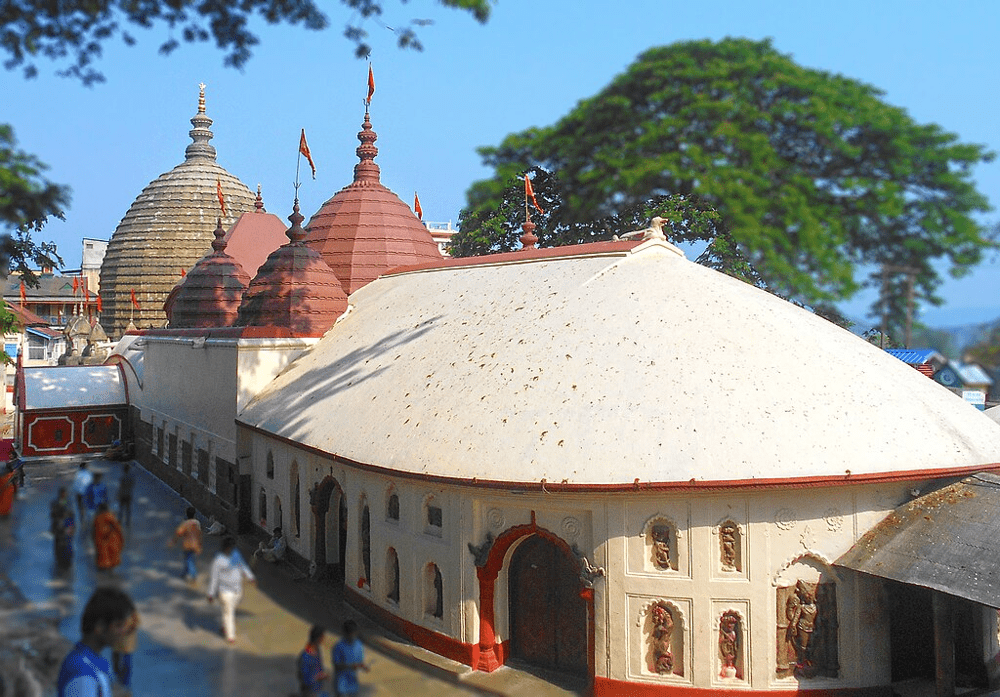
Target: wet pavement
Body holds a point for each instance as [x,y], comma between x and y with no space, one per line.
[181,650]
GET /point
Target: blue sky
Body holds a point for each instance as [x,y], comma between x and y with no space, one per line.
[472,85]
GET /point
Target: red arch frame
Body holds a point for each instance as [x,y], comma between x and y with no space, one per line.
[491,655]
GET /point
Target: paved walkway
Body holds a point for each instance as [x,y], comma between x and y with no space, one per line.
[181,651]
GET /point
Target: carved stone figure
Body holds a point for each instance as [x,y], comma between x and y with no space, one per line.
[729,632]
[660,535]
[728,534]
[807,630]
[662,634]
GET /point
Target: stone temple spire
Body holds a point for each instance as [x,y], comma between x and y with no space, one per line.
[201,132]
[366,171]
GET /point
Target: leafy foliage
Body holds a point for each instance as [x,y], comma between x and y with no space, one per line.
[811,172]
[76,30]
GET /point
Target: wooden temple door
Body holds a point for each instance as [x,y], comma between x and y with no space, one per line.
[548,618]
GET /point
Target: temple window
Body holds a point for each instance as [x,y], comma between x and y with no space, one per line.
[366,540]
[294,488]
[392,575]
[433,592]
[392,507]
[270,465]
[434,517]
[262,505]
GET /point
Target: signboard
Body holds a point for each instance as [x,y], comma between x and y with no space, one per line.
[976,398]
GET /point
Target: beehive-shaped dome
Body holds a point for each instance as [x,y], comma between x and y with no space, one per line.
[168,228]
[210,294]
[365,229]
[294,289]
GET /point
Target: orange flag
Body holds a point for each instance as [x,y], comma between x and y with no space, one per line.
[304,150]
[100,307]
[416,206]
[530,193]
[135,303]
[371,84]
[76,284]
[183,273]
[222,199]
[22,294]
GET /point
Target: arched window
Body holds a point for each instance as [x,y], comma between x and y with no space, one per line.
[262,505]
[392,506]
[293,487]
[434,592]
[366,540]
[433,517]
[392,575]
[270,465]
[276,522]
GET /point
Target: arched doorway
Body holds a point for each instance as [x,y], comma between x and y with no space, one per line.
[330,529]
[548,617]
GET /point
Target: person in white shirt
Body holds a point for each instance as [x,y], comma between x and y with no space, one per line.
[226,584]
[81,482]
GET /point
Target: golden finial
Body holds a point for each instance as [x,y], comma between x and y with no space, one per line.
[201,97]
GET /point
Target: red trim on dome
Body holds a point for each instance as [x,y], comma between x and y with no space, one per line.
[252,332]
[691,485]
[570,250]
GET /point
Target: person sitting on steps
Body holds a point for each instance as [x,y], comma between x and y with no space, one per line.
[274,550]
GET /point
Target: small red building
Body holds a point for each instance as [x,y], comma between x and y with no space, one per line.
[69,410]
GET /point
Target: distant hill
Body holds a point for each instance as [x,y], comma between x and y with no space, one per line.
[950,341]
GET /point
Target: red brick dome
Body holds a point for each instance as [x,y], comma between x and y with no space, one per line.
[210,294]
[365,229]
[294,289]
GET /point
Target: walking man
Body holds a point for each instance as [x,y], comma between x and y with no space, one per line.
[125,487]
[109,619]
[189,534]
[348,659]
[81,482]
[97,493]
[61,518]
[226,584]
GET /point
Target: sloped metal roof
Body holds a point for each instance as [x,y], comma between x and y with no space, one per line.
[972,374]
[73,387]
[916,356]
[947,540]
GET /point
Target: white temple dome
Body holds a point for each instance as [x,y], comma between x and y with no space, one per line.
[611,366]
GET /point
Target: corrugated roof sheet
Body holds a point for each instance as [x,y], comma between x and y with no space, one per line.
[916,356]
[947,540]
[972,374]
[72,387]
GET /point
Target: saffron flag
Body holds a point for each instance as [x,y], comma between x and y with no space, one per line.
[416,206]
[100,306]
[530,193]
[183,273]
[222,199]
[76,285]
[304,150]
[371,84]
[23,298]
[135,303]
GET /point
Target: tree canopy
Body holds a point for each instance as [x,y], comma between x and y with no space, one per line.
[811,174]
[76,30]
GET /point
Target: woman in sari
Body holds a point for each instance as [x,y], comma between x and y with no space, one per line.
[108,539]
[8,488]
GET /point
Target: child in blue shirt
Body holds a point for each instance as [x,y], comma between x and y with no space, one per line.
[348,659]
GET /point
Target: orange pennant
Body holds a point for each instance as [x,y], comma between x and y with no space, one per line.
[416,206]
[304,150]
[371,84]
[530,193]
[23,294]
[135,303]
[222,199]
[100,306]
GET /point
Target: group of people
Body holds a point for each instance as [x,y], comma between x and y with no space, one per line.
[92,502]
[110,619]
[347,657]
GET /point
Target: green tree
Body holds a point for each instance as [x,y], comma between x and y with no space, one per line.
[812,173]
[76,30]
